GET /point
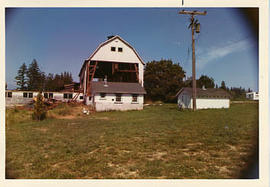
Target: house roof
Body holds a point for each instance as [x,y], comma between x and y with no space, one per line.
[117,87]
[208,92]
[106,42]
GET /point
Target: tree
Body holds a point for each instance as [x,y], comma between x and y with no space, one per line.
[39,108]
[206,81]
[35,77]
[162,80]
[223,85]
[21,77]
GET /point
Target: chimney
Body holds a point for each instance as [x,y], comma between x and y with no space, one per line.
[105,81]
[203,87]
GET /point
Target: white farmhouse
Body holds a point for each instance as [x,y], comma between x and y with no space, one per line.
[206,98]
[112,77]
[252,95]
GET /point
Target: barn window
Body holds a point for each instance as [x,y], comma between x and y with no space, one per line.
[30,95]
[112,48]
[9,94]
[81,97]
[46,95]
[102,95]
[70,96]
[50,95]
[134,97]
[120,49]
[24,94]
[90,98]
[65,96]
[118,97]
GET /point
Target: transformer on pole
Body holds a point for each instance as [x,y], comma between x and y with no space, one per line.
[193,25]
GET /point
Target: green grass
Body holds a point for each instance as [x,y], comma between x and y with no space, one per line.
[157,142]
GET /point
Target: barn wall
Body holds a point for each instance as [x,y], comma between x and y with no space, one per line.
[127,55]
[109,103]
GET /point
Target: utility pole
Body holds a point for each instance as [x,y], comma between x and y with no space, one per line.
[193,24]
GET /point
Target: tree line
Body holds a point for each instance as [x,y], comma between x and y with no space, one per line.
[33,79]
[162,80]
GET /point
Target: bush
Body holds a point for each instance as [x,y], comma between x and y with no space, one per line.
[39,108]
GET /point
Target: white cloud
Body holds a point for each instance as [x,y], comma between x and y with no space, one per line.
[206,56]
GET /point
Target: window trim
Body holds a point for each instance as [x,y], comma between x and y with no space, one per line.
[113,49]
[30,95]
[50,96]
[117,96]
[134,96]
[120,50]
[9,94]
[102,96]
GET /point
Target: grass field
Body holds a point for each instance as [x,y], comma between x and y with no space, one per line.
[157,142]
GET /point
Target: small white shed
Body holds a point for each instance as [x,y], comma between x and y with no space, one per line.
[252,95]
[205,98]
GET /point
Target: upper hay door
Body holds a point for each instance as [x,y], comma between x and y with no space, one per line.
[116,51]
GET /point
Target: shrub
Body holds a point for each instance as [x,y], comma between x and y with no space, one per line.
[39,108]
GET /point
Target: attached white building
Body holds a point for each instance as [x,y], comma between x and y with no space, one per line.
[19,97]
[252,95]
[206,98]
[116,96]
[112,77]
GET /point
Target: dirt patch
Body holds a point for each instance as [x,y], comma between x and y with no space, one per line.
[157,156]
[232,147]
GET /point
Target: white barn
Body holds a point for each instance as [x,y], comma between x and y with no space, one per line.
[112,77]
[205,98]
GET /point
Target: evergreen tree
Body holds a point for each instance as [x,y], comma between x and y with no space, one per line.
[223,85]
[35,77]
[21,77]
[39,108]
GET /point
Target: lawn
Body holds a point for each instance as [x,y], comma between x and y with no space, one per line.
[157,142]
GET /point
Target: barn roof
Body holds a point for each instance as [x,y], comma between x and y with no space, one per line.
[117,87]
[208,92]
[106,42]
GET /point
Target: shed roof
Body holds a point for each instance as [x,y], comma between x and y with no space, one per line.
[208,92]
[117,87]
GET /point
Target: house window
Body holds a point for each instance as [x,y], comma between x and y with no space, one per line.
[81,97]
[134,97]
[112,48]
[102,95]
[9,94]
[120,49]
[30,95]
[65,96]
[118,97]
[24,94]
[70,96]
[90,98]
[46,95]
[51,95]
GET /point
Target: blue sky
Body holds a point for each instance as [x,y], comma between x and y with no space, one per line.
[60,39]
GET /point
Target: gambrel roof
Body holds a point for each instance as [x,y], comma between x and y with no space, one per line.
[107,42]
